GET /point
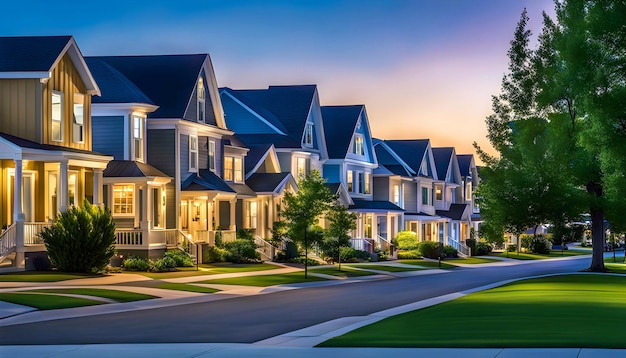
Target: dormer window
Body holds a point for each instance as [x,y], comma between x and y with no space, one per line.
[78,127]
[307,139]
[357,147]
[438,192]
[193,153]
[201,100]
[57,116]
[468,190]
[233,169]
[138,138]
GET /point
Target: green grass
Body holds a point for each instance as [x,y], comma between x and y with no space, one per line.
[387,268]
[266,280]
[346,271]
[47,302]
[206,269]
[471,260]
[424,263]
[116,295]
[186,287]
[569,311]
[41,276]
[525,256]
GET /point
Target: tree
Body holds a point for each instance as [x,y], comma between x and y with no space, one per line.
[341,222]
[305,208]
[82,239]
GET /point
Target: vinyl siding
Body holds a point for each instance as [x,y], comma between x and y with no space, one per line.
[170,205]
[332,173]
[381,188]
[20,108]
[184,154]
[191,113]
[110,136]
[161,150]
[409,191]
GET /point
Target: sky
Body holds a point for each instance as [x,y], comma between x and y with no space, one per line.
[423,68]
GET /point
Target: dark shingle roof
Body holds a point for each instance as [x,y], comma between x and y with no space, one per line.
[374,205]
[339,124]
[242,190]
[333,187]
[114,86]
[25,143]
[410,150]
[442,157]
[465,160]
[455,213]
[255,154]
[386,160]
[30,53]
[168,80]
[131,169]
[265,182]
[205,180]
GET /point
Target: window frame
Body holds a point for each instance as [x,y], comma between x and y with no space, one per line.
[61,113]
[438,192]
[301,165]
[138,136]
[193,153]
[425,198]
[124,202]
[368,183]
[358,146]
[350,181]
[211,148]
[201,100]
[468,191]
[307,138]
[397,195]
[78,128]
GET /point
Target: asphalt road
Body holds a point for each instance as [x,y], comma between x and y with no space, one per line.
[253,318]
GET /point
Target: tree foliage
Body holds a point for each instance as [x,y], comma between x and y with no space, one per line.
[337,235]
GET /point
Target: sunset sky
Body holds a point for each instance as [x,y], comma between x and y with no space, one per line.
[423,68]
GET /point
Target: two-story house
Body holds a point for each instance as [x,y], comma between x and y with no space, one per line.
[187,140]
[45,138]
[351,164]
[470,180]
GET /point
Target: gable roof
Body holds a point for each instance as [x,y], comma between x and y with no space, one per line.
[36,57]
[168,80]
[339,125]
[205,180]
[374,205]
[115,87]
[455,212]
[391,160]
[465,164]
[412,151]
[131,169]
[442,157]
[267,182]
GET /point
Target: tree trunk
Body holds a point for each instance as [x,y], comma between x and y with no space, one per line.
[306,255]
[597,241]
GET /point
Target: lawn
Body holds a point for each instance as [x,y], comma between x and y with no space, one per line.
[208,269]
[46,302]
[471,260]
[424,263]
[116,295]
[186,287]
[346,271]
[387,268]
[266,280]
[568,311]
[41,276]
[525,256]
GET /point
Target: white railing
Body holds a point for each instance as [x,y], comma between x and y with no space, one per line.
[8,241]
[31,232]
[267,250]
[362,244]
[384,244]
[188,246]
[459,246]
[129,237]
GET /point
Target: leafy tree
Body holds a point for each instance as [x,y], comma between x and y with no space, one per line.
[82,239]
[341,222]
[304,208]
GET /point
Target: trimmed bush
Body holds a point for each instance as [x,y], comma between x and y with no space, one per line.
[212,254]
[241,251]
[409,255]
[429,249]
[164,264]
[450,251]
[511,248]
[180,258]
[406,240]
[538,244]
[350,254]
[483,248]
[82,239]
[301,260]
[471,243]
[136,264]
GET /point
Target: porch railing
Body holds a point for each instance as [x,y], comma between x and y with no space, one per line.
[8,241]
[129,237]
[459,246]
[384,244]
[31,232]
[362,244]
[267,250]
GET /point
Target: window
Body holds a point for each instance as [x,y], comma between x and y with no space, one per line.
[78,129]
[233,169]
[350,181]
[396,194]
[212,155]
[57,116]
[123,199]
[201,100]
[367,183]
[361,177]
[438,192]
[358,146]
[308,135]
[138,138]
[193,153]
[238,170]
[252,214]
[425,192]
[301,167]
[468,190]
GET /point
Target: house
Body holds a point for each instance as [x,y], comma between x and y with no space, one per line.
[47,165]
[350,165]
[470,180]
[188,141]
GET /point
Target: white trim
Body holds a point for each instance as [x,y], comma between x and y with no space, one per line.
[125,107]
[177,123]
[26,74]
[258,116]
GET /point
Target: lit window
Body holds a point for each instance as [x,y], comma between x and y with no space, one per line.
[301,167]
[193,153]
[425,192]
[308,135]
[123,196]
[57,116]
[396,194]
[78,128]
[238,170]
[350,181]
[228,168]
[438,192]
[367,183]
[468,191]
[358,145]
[252,214]
[233,169]
[212,155]
[201,100]
[138,138]
[71,189]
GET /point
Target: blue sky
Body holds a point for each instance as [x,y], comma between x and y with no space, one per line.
[423,68]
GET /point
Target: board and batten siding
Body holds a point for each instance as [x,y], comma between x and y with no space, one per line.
[20,108]
[110,136]
[66,79]
[161,150]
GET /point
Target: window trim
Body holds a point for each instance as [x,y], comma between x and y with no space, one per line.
[397,195]
[138,137]
[233,168]
[201,100]
[193,149]
[127,205]
[350,181]
[438,192]
[307,138]
[301,167]
[61,96]
[425,198]
[211,148]
[75,124]
[358,146]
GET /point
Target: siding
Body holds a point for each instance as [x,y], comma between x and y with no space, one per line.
[409,191]
[110,136]
[170,205]
[203,153]
[161,150]
[381,188]
[184,154]
[191,113]
[332,173]
[20,108]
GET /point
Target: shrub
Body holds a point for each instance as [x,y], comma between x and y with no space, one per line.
[165,263]
[212,254]
[136,264]
[350,254]
[450,251]
[180,258]
[406,240]
[408,255]
[301,260]
[241,251]
[538,244]
[483,248]
[471,243]
[511,248]
[429,249]
[245,234]
[82,239]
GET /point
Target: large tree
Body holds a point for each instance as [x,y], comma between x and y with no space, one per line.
[304,208]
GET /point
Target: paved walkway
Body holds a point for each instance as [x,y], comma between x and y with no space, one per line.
[297,343]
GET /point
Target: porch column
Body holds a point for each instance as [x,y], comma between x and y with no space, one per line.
[216,204]
[18,216]
[233,205]
[209,215]
[63,186]
[390,230]
[146,200]
[270,213]
[97,187]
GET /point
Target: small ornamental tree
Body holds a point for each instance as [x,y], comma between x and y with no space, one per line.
[82,239]
[341,222]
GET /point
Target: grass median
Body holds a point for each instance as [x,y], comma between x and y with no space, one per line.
[581,311]
[527,256]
